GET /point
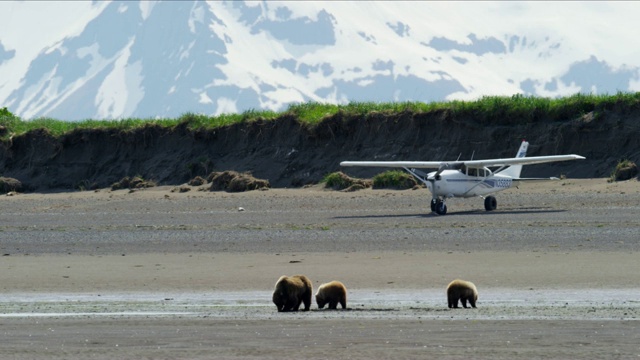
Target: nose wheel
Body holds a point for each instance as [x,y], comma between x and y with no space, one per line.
[438,206]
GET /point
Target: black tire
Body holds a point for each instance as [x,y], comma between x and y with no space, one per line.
[441,208]
[490,203]
[433,204]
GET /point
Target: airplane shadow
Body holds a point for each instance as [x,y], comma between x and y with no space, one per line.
[504,212]
[380,216]
[454,213]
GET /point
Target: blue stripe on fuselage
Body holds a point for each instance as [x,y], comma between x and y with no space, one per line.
[487,182]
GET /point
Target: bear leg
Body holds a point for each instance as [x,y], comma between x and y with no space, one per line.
[292,304]
[453,303]
[343,303]
[464,302]
[472,302]
[333,304]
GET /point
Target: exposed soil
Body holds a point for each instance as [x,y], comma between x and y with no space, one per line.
[157,274]
[287,153]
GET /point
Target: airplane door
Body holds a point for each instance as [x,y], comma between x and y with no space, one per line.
[472,174]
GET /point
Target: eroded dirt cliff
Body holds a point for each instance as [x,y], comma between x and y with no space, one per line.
[291,154]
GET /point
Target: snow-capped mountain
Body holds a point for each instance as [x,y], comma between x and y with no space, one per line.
[104,60]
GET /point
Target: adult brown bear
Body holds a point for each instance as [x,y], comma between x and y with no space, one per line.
[461,290]
[332,293]
[291,291]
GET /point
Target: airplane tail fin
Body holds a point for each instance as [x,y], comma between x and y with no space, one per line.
[514,170]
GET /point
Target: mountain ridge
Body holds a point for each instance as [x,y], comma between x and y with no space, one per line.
[163,59]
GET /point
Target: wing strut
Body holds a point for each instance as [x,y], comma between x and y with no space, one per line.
[476,185]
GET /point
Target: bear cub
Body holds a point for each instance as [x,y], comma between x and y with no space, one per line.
[332,293]
[461,290]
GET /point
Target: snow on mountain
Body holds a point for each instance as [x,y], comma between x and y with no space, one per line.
[104,60]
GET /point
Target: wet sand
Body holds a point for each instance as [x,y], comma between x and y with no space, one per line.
[162,274]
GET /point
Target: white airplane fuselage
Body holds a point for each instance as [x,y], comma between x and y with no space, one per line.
[468,178]
[454,183]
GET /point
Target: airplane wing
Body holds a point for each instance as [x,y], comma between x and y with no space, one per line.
[468,163]
[521,161]
[397,164]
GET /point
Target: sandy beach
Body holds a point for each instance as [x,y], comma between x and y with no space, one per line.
[157,273]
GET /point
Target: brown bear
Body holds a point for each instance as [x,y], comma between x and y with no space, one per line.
[332,293]
[291,291]
[461,290]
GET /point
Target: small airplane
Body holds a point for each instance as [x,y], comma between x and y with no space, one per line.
[469,178]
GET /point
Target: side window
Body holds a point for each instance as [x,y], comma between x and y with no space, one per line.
[472,172]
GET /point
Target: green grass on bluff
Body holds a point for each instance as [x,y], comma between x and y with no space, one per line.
[516,109]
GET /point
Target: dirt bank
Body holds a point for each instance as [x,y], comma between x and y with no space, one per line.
[290,154]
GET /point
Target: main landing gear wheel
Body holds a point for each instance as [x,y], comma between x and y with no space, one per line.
[440,207]
[433,204]
[490,203]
